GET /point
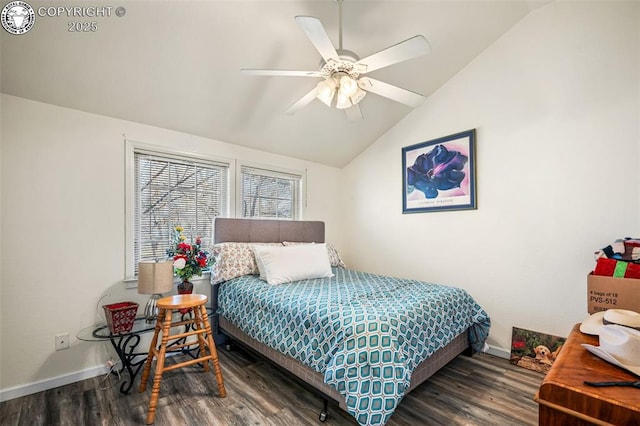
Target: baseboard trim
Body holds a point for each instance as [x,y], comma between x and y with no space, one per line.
[54,382]
[499,352]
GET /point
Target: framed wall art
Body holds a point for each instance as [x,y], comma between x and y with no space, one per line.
[440,174]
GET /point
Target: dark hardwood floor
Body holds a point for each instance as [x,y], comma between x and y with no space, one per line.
[481,390]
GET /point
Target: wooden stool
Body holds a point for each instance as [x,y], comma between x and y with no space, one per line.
[197,325]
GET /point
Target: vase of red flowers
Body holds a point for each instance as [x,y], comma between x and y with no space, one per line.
[189,259]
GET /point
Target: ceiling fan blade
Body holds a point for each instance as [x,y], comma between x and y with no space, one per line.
[302,102]
[405,50]
[354,113]
[318,36]
[281,73]
[392,92]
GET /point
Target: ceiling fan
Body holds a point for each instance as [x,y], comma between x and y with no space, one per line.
[344,83]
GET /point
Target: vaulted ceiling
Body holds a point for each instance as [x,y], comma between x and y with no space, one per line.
[176,65]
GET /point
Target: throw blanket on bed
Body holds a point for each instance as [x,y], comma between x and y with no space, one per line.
[366,333]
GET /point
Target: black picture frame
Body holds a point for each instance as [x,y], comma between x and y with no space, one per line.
[440,174]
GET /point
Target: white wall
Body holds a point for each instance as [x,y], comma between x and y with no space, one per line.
[63,230]
[555,103]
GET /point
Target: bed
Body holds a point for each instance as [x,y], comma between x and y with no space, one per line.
[362,340]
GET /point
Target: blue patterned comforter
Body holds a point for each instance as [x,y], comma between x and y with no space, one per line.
[366,333]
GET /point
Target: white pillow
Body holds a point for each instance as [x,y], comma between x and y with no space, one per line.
[278,265]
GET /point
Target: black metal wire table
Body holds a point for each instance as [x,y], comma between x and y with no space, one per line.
[126,346]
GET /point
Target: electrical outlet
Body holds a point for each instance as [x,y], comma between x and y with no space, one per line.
[62,341]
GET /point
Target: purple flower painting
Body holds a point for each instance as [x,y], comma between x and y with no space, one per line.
[439,174]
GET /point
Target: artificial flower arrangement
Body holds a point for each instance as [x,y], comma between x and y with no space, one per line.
[188,259]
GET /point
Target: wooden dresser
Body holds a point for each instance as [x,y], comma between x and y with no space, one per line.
[565,400]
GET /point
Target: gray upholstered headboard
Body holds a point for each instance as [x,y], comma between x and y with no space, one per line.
[266,231]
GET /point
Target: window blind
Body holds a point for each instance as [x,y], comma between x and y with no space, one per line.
[270,194]
[172,191]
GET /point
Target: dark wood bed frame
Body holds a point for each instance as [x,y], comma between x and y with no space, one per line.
[266,231]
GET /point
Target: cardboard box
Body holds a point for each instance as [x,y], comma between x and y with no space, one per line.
[612,293]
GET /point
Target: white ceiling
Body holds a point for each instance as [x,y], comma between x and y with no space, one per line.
[175,65]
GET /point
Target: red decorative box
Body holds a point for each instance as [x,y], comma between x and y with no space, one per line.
[120,316]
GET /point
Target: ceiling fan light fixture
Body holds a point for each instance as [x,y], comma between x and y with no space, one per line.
[343,88]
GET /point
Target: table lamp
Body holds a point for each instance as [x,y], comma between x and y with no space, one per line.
[154,278]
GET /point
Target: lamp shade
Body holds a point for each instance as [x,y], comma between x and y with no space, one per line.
[155,277]
[343,101]
[358,96]
[325,90]
[348,86]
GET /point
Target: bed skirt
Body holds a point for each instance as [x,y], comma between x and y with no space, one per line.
[425,370]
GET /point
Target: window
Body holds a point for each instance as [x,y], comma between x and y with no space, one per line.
[270,194]
[173,190]
[166,188]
